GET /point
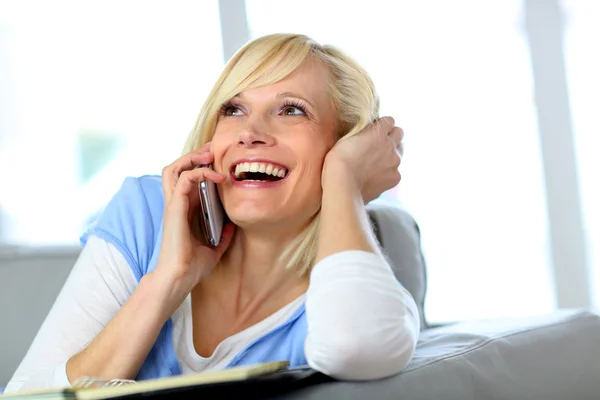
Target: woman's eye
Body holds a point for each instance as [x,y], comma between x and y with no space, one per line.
[292,110]
[231,111]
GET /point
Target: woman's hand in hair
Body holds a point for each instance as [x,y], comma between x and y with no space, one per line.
[370,158]
[184,258]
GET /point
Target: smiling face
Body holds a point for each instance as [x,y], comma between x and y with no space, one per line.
[271,142]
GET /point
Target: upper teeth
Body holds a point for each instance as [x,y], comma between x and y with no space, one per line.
[265,168]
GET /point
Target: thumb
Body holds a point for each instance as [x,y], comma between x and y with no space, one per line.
[226,237]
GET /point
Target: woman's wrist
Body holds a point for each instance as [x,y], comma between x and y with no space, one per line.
[337,177]
[344,224]
[167,293]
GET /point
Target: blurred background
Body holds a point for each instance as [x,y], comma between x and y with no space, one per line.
[498,100]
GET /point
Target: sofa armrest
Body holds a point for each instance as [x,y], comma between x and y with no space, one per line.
[553,356]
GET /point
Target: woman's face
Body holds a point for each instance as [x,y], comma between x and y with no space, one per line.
[270,142]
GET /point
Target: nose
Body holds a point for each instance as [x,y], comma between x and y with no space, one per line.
[255,133]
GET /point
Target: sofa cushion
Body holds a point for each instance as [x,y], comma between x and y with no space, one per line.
[553,356]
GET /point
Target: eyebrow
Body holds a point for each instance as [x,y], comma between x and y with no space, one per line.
[282,96]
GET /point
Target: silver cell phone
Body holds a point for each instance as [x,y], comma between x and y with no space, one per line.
[213,215]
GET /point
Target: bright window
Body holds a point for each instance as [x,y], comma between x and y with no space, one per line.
[456,76]
[582,56]
[93,92]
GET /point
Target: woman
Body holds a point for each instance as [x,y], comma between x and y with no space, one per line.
[298,274]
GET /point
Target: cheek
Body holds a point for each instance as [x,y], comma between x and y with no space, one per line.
[219,136]
[314,152]
[218,148]
[319,147]
[315,164]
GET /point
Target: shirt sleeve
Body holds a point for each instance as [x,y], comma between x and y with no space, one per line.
[362,323]
[99,284]
[131,221]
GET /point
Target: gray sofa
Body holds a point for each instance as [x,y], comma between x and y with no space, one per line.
[555,356]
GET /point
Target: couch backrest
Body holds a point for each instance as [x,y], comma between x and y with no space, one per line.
[400,238]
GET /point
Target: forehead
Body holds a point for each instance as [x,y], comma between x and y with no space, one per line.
[309,80]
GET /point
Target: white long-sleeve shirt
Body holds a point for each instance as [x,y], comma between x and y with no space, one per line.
[361,323]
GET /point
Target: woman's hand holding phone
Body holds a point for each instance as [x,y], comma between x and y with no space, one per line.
[185,259]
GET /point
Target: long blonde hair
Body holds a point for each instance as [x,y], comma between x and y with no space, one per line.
[270,59]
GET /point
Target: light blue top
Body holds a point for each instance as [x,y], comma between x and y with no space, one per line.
[132,222]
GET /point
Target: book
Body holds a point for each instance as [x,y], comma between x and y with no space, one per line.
[239,379]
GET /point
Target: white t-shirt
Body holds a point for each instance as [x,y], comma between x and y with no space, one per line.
[183,341]
[361,323]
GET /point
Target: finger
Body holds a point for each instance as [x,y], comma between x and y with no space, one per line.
[396,135]
[385,124]
[226,237]
[191,161]
[396,178]
[186,189]
[171,173]
[204,148]
[400,149]
[200,156]
[188,180]
[397,160]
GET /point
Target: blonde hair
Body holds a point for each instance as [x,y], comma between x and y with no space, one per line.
[270,59]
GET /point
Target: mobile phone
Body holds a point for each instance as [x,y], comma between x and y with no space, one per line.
[213,215]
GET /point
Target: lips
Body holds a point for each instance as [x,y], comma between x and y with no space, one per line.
[258,171]
[254,173]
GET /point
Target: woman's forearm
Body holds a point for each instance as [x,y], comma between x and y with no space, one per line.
[344,221]
[362,324]
[121,347]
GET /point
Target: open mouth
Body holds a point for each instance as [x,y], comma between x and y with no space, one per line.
[258,172]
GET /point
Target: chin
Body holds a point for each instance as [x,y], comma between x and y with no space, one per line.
[249,216]
[259,218]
